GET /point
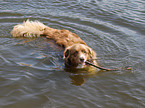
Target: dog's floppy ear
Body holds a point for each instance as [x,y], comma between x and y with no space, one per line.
[66,53]
[92,53]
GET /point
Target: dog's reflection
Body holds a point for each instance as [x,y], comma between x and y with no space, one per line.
[80,76]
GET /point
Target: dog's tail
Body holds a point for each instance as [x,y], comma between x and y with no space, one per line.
[28,29]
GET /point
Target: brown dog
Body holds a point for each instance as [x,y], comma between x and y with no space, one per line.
[76,51]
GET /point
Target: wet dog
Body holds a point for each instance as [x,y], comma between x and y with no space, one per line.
[76,52]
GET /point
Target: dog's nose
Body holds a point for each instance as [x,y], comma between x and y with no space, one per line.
[82,59]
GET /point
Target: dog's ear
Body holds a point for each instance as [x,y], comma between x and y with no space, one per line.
[92,53]
[66,53]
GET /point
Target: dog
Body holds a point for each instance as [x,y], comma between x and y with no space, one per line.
[76,51]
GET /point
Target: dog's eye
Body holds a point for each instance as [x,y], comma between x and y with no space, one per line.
[75,53]
[85,52]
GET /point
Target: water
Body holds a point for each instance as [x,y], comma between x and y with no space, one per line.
[32,73]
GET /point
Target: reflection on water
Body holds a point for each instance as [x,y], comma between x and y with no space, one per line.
[79,76]
[32,72]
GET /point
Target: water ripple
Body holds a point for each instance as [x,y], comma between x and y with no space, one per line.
[32,71]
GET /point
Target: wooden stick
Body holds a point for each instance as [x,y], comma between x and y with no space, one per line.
[99,67]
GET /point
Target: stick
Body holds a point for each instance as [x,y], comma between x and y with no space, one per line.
[99,67]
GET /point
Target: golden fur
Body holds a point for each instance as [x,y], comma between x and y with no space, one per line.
[76,50]
[77,54]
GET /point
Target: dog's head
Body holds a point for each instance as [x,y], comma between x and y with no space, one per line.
[76,55]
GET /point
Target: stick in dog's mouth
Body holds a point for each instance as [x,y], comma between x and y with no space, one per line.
[106,69]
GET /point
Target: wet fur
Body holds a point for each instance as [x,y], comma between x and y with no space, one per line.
[76,50]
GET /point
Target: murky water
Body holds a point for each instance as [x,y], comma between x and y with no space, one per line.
[32,73]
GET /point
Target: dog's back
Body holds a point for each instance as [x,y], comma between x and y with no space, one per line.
[36,29]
